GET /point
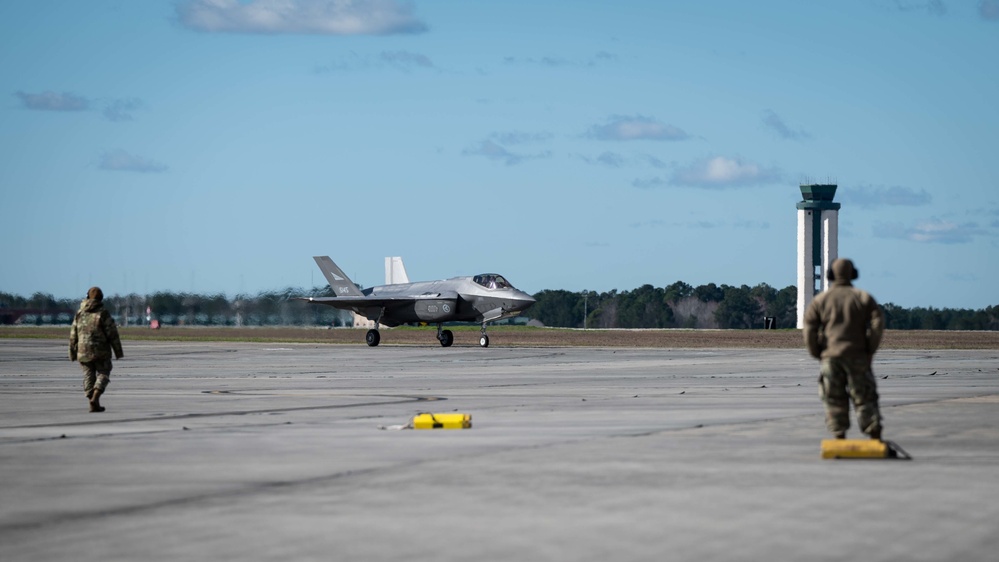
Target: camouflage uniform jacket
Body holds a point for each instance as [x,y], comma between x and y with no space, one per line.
[843,322]
[94,334]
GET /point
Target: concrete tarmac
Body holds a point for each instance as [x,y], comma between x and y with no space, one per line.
[230,451]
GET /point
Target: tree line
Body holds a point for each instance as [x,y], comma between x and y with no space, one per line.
[712,306]
[674,306]
[270,308]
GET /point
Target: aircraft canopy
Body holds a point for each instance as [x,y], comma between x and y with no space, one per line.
[492,281]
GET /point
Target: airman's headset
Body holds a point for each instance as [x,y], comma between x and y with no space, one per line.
[832,276]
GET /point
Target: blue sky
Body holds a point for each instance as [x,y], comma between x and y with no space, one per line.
[217,145]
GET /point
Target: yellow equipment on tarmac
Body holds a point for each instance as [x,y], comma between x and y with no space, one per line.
[862,449]
[442,421]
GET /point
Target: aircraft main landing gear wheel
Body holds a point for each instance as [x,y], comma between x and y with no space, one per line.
[372,338]
[447,338]
[484,340]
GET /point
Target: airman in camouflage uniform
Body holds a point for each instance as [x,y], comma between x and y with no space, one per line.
[843,328]
[92,338]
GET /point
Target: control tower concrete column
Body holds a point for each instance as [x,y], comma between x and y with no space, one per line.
[818,242]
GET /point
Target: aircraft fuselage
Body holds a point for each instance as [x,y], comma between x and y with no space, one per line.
[480,298]
[458,299]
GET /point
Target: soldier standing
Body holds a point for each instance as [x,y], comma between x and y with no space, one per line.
[92,338]
[843,328]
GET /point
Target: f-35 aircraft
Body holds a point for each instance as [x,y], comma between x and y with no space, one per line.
[482,298]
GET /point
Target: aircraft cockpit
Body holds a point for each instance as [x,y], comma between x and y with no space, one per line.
[492,281]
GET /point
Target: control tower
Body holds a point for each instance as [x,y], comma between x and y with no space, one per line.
[818,242]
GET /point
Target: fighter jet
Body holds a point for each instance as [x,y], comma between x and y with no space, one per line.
[481,298]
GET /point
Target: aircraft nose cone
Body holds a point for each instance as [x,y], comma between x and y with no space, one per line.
[523,301]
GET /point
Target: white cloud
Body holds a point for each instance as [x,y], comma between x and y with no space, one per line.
[326,17]
[346,62]
[553,62]
[406,59]
[774,122]
[520,137]
[931,231]
[623,128]
[719,172]
[992,215]
[398,60]
[121,161]
[52,101]
[609,159]
[617,160]
[494,151]
[121,110]
[894,196]
[558,62]
[650,183]
[114,110]
[654,162]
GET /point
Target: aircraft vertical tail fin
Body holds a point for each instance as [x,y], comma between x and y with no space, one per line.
[342,286]
[395,272]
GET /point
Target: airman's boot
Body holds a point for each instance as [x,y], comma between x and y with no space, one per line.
[876,434]
[840,435]
[95,401]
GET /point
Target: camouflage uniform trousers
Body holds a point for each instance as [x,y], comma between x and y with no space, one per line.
[96,374]
[841,379]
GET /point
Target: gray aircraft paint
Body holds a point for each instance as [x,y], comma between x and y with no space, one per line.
[459,299]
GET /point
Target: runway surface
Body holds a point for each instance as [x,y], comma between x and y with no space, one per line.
[227,451]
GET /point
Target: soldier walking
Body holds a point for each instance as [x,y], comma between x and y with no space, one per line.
[843,328]
[92,338]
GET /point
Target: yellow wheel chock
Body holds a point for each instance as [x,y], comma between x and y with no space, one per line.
[862,449]
[442,421]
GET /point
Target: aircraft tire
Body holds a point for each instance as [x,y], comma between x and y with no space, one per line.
[372,338]
[484,341]
[447,338]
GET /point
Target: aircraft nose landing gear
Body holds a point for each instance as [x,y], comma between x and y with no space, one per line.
[484,339]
